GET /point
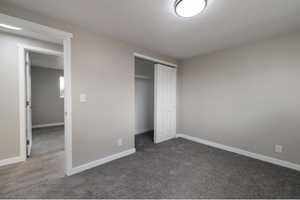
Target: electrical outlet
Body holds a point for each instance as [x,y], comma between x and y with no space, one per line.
[120,142]
[278,148]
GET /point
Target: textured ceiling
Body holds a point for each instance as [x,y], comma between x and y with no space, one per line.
[152,24]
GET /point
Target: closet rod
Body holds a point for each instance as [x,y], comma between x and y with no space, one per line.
[142,77]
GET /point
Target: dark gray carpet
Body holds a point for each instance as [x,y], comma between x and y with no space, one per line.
[47,140]
[174,169]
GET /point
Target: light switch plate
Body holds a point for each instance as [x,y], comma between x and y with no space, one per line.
[83,98]
[278,148]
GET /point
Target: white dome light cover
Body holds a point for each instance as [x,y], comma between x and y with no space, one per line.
[189,8]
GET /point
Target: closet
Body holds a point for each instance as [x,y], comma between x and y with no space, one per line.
[144,96]
[155,100]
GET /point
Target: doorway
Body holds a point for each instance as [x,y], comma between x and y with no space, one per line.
[40,33]
[144,102]
[42,108]
[44,104]
[155,101]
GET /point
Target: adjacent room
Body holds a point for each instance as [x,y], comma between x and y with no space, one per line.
[47,104]
[144,99]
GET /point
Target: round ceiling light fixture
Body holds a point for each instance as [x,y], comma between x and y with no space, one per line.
[189,8]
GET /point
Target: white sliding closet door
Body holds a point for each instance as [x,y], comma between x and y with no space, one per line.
[165,103]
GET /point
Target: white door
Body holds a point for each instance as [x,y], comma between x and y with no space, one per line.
[165,103]
[28,105]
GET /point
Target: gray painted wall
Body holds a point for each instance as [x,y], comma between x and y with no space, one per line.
[9,89]
[144,96]
[47,61]
[47,106]
[103,69]
[246,97]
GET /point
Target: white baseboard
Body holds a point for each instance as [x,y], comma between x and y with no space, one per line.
[11,161]
[99,162]
[243,152]
[141,131]
[159,140]
[48,125]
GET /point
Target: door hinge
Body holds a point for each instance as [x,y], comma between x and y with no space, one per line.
[27,103]
[27,142]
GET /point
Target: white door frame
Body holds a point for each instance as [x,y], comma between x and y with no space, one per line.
[158,61]
[67,100]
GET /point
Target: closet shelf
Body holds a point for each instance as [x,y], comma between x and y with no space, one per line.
[142,77]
